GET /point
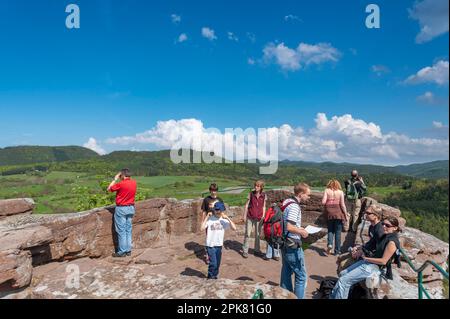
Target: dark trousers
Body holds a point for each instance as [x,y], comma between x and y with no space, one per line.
[215,257]
[334,232]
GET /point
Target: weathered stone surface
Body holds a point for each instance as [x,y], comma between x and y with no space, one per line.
[387,211]
[10,207]
[15,269]
[102,281]
[39,241]
[155,256]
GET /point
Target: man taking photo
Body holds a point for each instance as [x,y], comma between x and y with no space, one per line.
[125,189]
[355,188]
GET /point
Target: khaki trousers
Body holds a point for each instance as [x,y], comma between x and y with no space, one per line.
[250,225]
[353,209]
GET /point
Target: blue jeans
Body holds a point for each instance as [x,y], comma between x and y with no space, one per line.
[272,252]
[123,217]
[215,257]
[334,232]
[294,263]
[357,272]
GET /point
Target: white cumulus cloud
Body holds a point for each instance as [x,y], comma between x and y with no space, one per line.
[209,34]
[92,144]
[339,138]
[427,97]
[232,37]
[380,69]
[182,38]
[291,17]
[433,18]
[438,73]
[289,59]
[176,19]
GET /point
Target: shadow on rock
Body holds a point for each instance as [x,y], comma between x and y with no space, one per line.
[245,278]
[198,249]
[192,273]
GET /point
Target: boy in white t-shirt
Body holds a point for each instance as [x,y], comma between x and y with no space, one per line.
[216,223]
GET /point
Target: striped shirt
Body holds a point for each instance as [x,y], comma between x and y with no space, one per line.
[292,214]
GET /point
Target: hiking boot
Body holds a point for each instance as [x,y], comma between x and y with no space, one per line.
[266,258]
[116,255]
[276,258]
[128,254]
[245,255]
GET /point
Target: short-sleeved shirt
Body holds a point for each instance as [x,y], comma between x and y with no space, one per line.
[125,192]
[376,234]
[208,200]
[292,214]
[216,231]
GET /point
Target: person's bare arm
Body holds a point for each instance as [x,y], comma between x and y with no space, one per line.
[343,207]
[116,179]
[325,197]
[388,253]
[232,225]
[205,220]
[295,230]
[264,212]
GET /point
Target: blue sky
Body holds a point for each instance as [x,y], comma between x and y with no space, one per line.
[125,69]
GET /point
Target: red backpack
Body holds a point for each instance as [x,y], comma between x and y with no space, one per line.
[273,225]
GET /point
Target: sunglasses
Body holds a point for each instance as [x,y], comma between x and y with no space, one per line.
[388,225]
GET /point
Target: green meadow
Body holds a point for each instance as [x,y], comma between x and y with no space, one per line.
[58,192]
[62,192]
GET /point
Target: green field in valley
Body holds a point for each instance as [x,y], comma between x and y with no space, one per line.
[62,192]
[56,192]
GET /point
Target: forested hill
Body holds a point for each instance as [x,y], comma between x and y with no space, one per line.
[21,155]
[437,169]
[431,170]
[158,163]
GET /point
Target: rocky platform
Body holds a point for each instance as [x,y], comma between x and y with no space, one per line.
[38,254]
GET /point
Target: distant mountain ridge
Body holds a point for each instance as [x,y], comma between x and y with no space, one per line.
[22,155]
[158,162]
[433,170]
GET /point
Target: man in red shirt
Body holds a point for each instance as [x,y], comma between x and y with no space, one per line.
[125,189]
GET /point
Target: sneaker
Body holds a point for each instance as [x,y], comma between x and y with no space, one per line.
[116,255]
[245,255]
[276,258]
[266,258]
[329,250]
[128,254]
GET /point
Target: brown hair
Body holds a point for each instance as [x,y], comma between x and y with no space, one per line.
[261,184]
[125,172]
[334,185]
[374,209]
[213,187]
[301,188]
[394,221]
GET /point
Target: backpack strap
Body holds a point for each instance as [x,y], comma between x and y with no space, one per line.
[283,208]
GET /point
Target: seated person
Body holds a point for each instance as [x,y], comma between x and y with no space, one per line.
[376,232]
[373,215]
[386,253]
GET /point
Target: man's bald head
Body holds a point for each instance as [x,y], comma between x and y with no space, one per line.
[355,173]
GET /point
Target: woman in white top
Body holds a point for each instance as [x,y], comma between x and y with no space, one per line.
[334,201]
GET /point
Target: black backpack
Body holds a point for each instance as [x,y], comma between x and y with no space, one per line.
[326,288]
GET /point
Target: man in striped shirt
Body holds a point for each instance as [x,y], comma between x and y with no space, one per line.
[292,252]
